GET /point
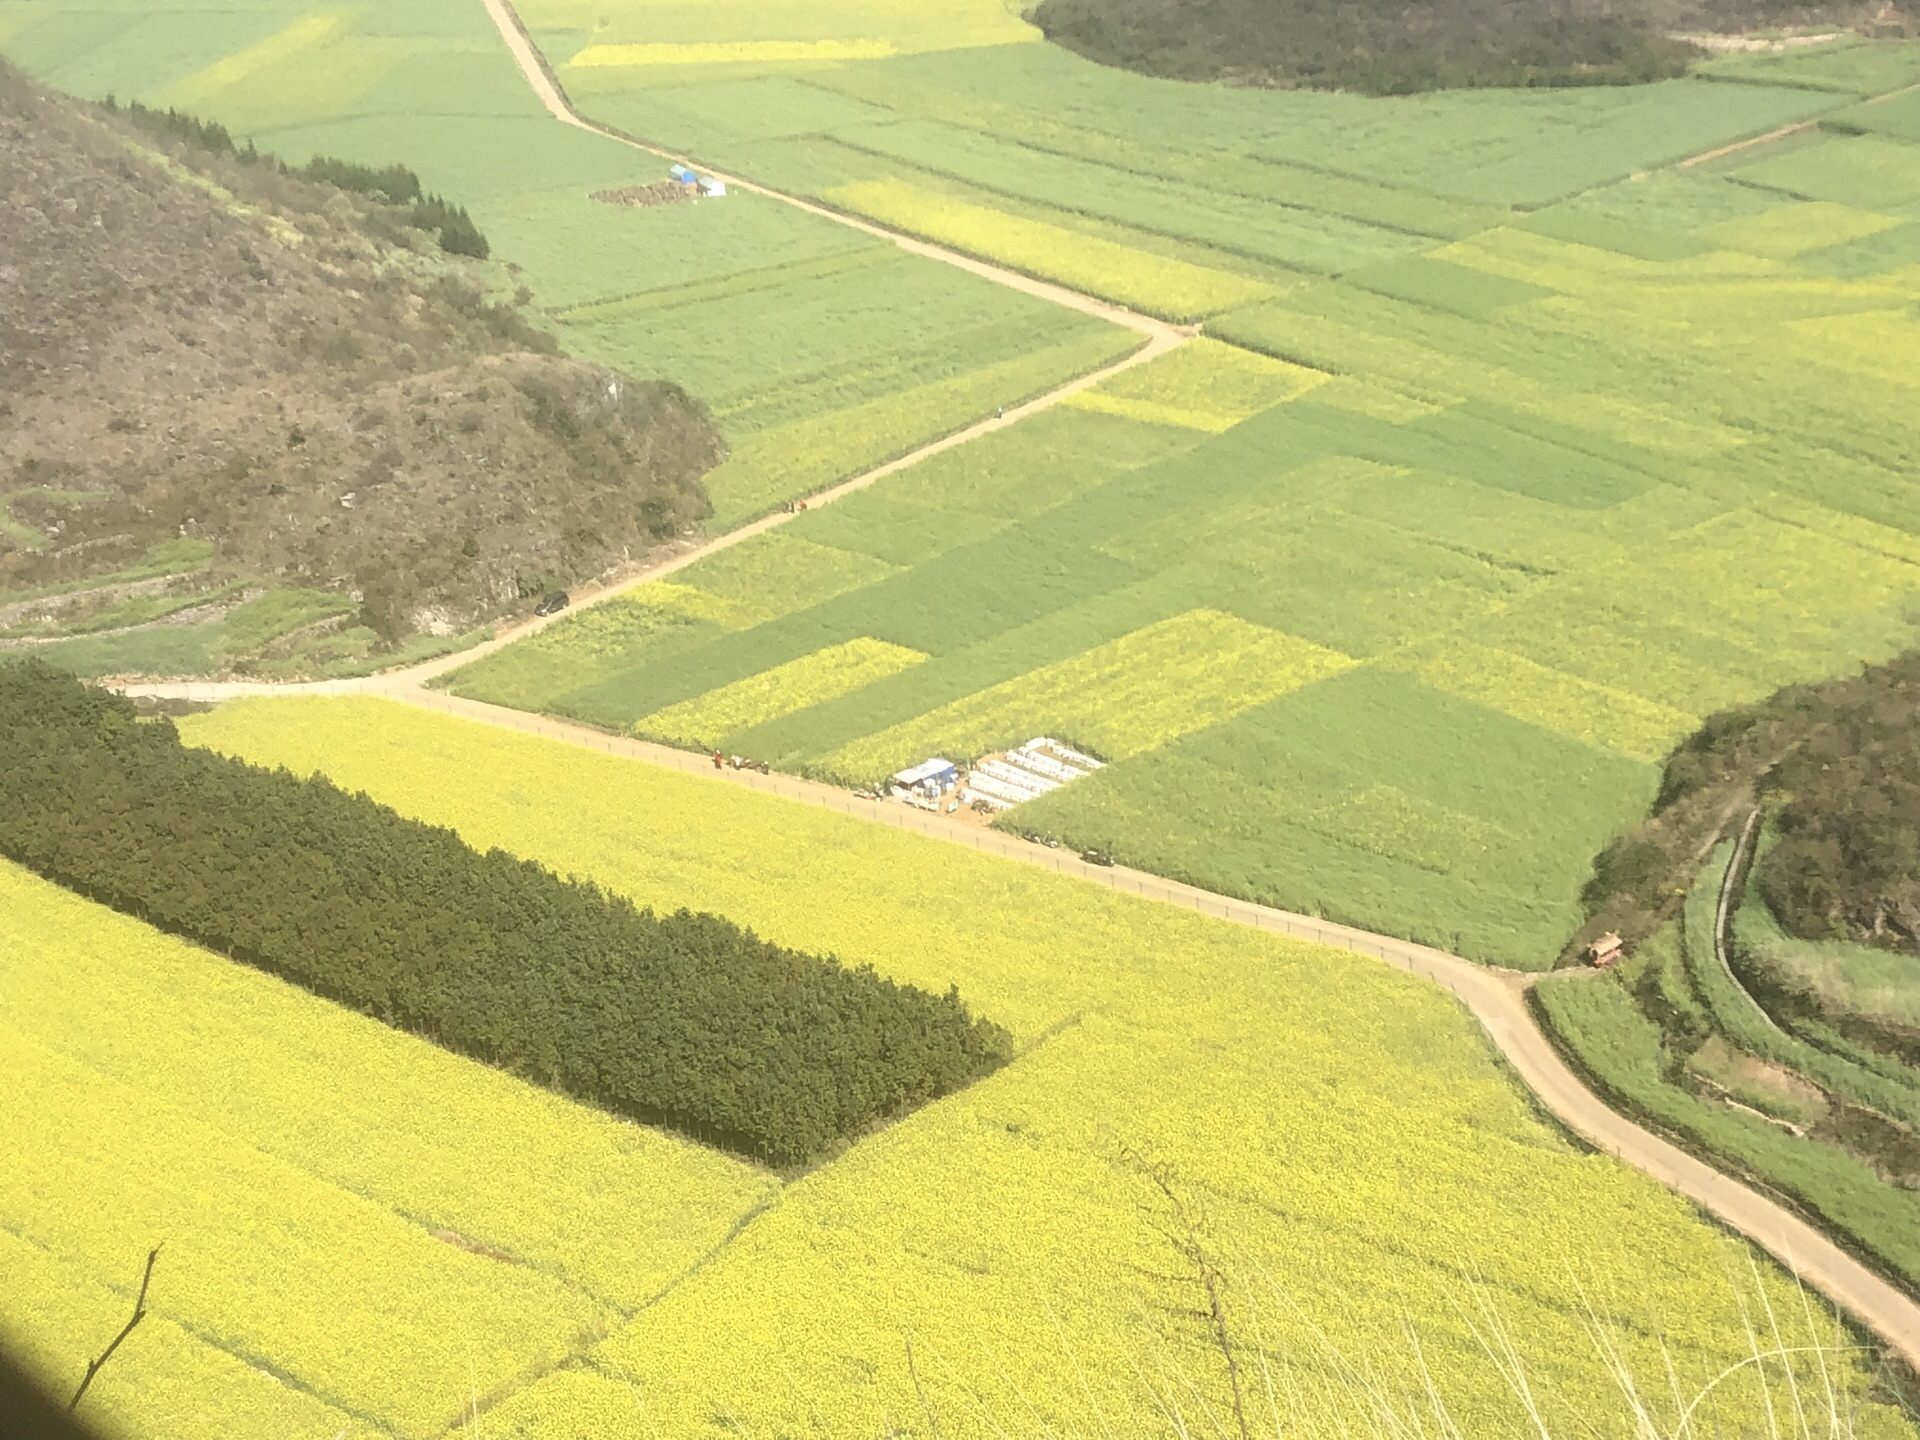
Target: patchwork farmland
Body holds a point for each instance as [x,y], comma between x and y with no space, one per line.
[1518,432]
[1388,607]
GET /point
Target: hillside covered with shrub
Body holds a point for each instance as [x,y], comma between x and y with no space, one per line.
[1379,47]
[1838,766]
[302,372]
[682,1019]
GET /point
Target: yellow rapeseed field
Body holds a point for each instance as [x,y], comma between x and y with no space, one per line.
[1604,716]
[1332,1136]
[391,1226]
[1156,284]
[1129,695]
[772,33]
[1203,385]
[707,720]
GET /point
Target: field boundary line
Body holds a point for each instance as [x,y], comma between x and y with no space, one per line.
[546,86]
[1780,134]
[1497,999]
[1161,336]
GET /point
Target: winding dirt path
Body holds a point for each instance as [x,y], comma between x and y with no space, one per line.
[1160,336]
[1496,998]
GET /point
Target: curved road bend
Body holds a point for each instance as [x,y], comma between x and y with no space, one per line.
[1496,998]
[1161,336]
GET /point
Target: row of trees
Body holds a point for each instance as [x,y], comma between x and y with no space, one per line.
[391,185]
[683,1019]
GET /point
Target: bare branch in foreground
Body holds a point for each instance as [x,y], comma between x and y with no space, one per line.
[139,1314]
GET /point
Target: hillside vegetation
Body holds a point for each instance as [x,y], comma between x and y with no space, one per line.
[1384,47]
[216,368]
[1837,764]
[1791,1057]
[683,1019]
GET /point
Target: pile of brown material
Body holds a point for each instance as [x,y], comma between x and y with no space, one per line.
[193,346]
[660,192]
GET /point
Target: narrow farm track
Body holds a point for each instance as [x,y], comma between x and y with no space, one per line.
[1161,335]
[1723,918]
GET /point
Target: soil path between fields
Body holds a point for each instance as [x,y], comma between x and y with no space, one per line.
[546,86]
[1496,998]
[1160,336]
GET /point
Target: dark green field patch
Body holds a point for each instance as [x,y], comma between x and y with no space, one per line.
[960,598]
[1445,286]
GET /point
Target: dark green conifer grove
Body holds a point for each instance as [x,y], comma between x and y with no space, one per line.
[682,1019]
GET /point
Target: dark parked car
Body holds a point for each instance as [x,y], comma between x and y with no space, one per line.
[553,604]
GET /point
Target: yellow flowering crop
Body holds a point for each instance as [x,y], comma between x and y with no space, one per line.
[1157,284]
[1601,715]
[56,1314]
[707,720]
[364,1211]
[1795,229]
[1335,1133]
[731,52]
[1121,698]
[1204,385]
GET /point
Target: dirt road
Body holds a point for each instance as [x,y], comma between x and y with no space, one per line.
[547,88]
[1160,337]
[1496,998]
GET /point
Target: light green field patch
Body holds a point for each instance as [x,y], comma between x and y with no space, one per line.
[1386,820]
[1846,977]
[1796,229]
[746,585]
[1158,284]
[306,34]
[1204,385]
[1856,170]
[731,52]
[1594,272]
[1373,400]
[1881,540]
[1527,690]
[1119,699]
[707,720]
[802,456]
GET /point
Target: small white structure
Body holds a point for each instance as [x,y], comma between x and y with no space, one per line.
[712,187]
[1036,768]
[928,780]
